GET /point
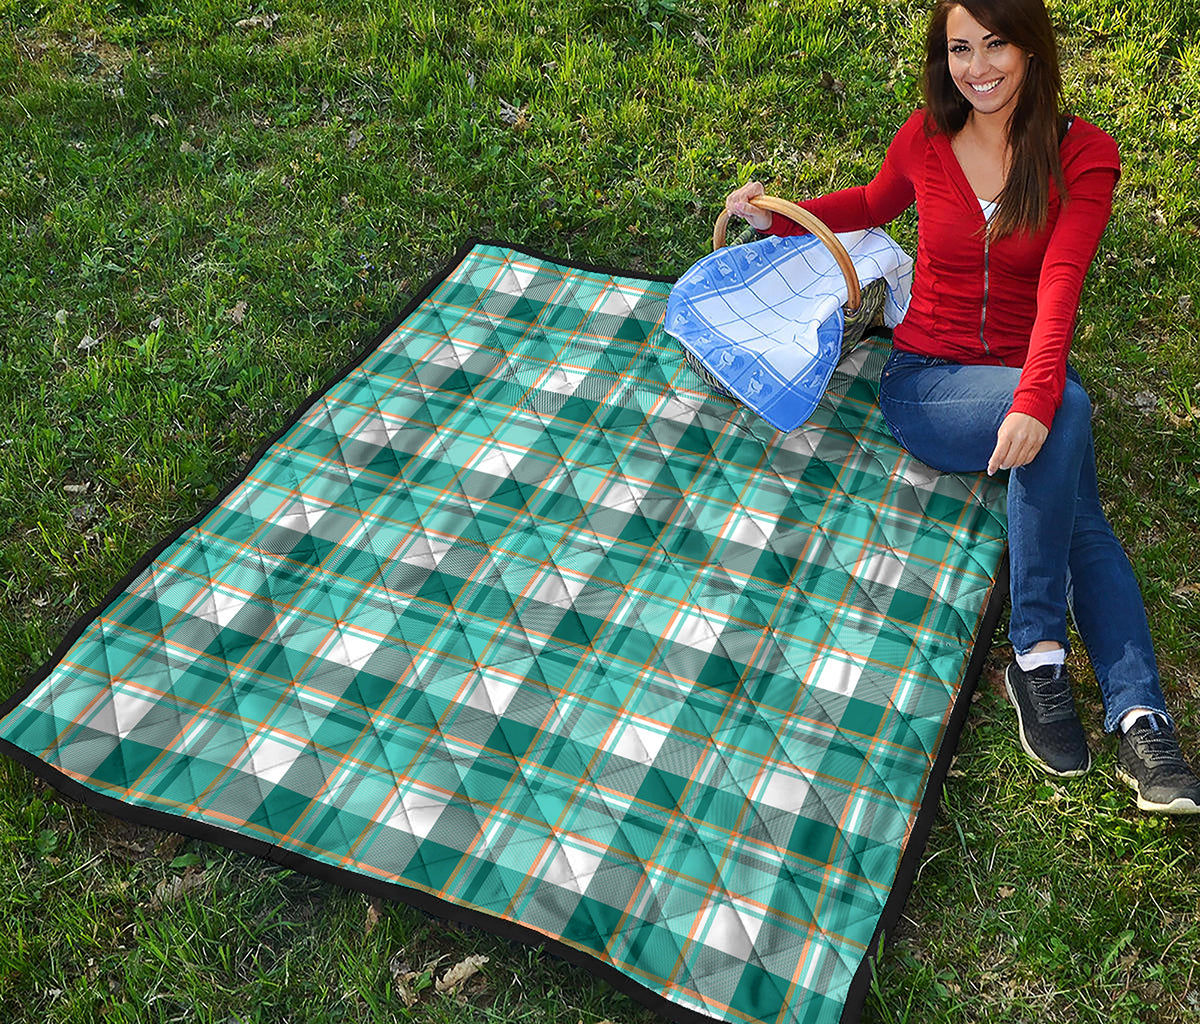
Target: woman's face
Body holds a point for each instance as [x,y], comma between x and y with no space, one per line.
[987,69]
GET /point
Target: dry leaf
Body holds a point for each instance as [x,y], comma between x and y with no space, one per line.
[87,341]
[1146,401]
[374,914]
[994,674]
[60,317]
[169,845]
[257,21]
[158,120]
[238,313]
[831,84]
[404,989]
[460,972]
[354,139]
[512,115]
[171,889]
[75,488]
[1005,891]
[186,147]
[403,977]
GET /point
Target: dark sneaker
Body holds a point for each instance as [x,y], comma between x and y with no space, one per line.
[1050,729]
[1149,760]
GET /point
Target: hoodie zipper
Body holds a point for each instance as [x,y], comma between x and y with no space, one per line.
[983,308]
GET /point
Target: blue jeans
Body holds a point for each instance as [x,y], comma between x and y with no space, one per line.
[1062,550]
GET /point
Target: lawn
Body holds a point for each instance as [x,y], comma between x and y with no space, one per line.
[205,207]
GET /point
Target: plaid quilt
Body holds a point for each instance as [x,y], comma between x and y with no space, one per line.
[518,620]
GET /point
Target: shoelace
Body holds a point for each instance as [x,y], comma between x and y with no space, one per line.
[1159,749]
[1053,695]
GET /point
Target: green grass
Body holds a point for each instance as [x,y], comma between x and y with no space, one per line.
[227,212]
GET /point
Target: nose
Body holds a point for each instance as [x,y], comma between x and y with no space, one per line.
[979,62]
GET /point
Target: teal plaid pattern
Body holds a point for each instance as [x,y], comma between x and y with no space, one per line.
[520,615]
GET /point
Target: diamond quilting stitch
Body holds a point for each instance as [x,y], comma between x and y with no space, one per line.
[609,630]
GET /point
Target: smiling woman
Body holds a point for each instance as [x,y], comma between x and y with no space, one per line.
[1012,198]
[996,90]
[987,69]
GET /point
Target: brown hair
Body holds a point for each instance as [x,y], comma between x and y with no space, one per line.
[1035,125]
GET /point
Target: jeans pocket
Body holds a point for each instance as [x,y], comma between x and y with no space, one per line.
[899,362]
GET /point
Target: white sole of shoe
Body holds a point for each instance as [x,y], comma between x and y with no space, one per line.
[1074,773]
[1180,805]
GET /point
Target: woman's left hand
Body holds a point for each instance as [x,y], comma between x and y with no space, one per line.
[1018,441]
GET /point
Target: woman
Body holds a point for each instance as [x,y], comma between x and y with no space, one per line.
[1012,198]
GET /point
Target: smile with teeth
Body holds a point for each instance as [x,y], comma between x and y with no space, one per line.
[986,87]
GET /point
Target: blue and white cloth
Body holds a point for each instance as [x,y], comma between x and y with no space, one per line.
[766,318]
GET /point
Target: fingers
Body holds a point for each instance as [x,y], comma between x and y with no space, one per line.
[996,461]
[737,203]
[745,192]
[1018,441]
[1010,456]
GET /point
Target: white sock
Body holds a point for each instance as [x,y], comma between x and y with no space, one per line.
[1037,659]
[1130,717]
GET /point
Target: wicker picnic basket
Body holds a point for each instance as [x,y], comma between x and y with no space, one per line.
[863,307]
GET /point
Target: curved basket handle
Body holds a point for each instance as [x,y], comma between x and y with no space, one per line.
[805,219]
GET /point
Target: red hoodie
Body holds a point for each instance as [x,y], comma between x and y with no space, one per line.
[1010,301]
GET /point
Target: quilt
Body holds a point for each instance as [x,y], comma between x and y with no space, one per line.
[519,622]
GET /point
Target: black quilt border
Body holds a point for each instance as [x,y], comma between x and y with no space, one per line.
[909,862]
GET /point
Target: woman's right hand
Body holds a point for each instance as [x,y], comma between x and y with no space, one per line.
[737,204]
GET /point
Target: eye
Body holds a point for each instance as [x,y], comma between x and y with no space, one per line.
[995,44]
[958,48]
